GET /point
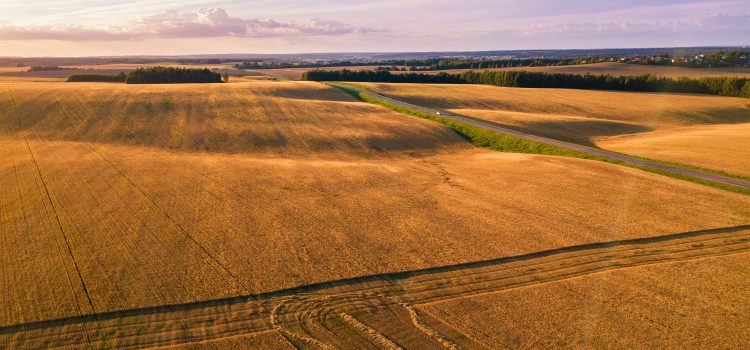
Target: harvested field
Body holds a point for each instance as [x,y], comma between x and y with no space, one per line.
[673,127]
[252,214]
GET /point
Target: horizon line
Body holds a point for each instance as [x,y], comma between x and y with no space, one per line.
[384,52]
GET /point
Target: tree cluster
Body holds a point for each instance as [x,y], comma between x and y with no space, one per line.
[171,75]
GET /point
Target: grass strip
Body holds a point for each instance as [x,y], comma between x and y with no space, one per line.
[506,143]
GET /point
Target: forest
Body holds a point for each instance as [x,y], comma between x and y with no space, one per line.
[723,86]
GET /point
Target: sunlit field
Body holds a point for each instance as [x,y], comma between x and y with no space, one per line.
[266,214]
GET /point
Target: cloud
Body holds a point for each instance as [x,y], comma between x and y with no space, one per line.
[713,23]
[201,23]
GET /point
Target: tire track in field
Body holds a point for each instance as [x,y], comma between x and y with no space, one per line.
[152,202]
[155,205]
[311,309]
[52,205]
[370,332]
[79,122]
[531,272]
[317,302]
[423,327]
[57,220]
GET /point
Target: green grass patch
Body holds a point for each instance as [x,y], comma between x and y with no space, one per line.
[506,143]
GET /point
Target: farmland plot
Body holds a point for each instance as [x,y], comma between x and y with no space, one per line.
[253,213]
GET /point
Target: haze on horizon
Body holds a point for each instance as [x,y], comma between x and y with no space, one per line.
[169,27]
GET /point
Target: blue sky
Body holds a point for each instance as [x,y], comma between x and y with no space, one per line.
[95,27]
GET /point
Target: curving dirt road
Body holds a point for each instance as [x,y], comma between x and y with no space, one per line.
[571,146]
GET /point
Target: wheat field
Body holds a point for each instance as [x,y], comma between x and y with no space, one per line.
[288,215]
[728,144]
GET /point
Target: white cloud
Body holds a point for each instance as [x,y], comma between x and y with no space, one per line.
[210,22]
[716,22]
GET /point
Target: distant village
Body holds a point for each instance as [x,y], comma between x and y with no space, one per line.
[733,58]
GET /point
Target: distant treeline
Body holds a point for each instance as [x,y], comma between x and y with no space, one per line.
[153,75]
[382,76]
[737,87]
[430,64]
[107,78]
[47,68]
[444,64]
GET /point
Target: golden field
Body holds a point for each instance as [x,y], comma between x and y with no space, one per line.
[728,145]
[181,215]
[694,304]
[705,131]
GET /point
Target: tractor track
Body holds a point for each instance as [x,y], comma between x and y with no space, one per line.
[290,310]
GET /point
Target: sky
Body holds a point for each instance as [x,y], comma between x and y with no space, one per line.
[171,27]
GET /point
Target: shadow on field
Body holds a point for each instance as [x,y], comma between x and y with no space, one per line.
[717,115]
[579,131]
[305,93]
[575,131]
[391,278]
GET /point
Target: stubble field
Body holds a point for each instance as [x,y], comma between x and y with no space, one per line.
[285,214]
